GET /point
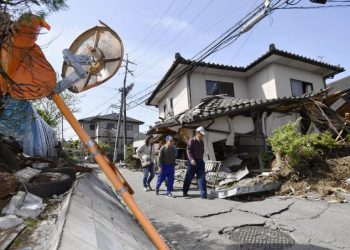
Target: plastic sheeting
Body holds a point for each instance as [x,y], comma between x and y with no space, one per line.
[21,121]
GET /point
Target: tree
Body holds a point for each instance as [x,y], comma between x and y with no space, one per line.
[48,110]
[17,8]
[12,11]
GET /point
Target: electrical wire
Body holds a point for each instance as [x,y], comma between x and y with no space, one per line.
[230,36]
[178,35]
[154,26]
[167,29]
[210,25]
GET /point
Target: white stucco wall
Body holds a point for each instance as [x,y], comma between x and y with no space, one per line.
[262,84]
[180,97]
[283,74]
[198,86]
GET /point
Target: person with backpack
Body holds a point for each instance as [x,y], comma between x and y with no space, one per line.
[146,153]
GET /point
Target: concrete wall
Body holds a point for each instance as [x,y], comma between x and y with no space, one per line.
[283,74]
[262,84]
[198,86]
[180,97]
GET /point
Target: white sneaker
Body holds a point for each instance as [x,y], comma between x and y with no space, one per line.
[169,195]
[149,188]
[145,189]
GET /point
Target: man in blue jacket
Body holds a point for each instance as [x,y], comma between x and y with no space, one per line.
[195,163]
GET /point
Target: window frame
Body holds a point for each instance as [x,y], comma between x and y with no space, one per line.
[172,103]
[164,109]
[128,127]
[92,125]
[304,86]
[110,125]
[207,82]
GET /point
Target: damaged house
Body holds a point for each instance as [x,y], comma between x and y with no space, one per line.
[240,106]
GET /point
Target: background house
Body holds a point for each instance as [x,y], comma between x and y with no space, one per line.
[102,129]
[225,99]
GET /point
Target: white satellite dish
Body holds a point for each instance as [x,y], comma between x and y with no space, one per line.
[99,51]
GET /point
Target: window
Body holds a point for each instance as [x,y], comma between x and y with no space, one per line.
[172,103]
[92,126]
[219,88]
[164,109]
[110,125]
[129,127]
[300,88]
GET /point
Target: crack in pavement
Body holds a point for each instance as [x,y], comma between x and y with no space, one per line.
[203,236]
[320,213]
[266,215]
[280,211]
[213,214]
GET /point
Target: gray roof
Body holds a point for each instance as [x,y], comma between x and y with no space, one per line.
[217,106]
[111,117]
[340,84]
[332,69]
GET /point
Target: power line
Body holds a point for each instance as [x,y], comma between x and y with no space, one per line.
[142,91]
[101,105]
[167,29]
[223,16]
[178,35]
[154,26]
[231,35]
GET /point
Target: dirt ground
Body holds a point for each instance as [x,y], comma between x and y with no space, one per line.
[323,180]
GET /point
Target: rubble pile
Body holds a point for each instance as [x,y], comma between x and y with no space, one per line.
[324,180]
[30,187]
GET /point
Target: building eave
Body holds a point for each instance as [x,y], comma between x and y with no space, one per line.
[179,60]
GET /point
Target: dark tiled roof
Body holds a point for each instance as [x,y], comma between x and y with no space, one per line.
[272,51]
[340,84]
[217,106]
[112,117]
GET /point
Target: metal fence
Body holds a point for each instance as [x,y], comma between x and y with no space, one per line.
[211,169]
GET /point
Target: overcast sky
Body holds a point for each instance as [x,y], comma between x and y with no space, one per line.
[153,31]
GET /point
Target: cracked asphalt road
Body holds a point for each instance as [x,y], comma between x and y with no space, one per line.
[202,224]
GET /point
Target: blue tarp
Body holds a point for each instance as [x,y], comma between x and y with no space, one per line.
[21,121]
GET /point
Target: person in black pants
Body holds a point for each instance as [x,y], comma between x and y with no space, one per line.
[195,163]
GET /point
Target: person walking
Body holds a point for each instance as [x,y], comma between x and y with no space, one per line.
[195,163]
[166,160]
[146,153]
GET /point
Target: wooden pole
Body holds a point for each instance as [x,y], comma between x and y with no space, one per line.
[111,174]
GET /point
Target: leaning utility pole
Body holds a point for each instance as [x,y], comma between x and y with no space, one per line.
[124,99]
[118,126]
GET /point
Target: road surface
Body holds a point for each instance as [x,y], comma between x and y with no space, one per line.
[194,223]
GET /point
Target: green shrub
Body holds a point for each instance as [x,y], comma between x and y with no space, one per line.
[296,147]
[130,161]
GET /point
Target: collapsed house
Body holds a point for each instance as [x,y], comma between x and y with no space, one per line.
[241,106]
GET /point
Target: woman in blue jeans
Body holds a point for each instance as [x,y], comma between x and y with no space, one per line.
[146,153]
